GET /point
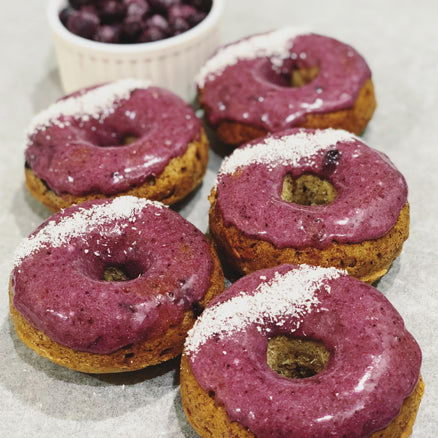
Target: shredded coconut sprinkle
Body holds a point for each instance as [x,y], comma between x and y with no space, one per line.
[284,296]
[97,103]
[56,234]
[286,150]
[275,45]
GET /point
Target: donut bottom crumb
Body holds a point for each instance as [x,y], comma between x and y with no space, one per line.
[368,260]
[129,358]
[209,419]
[180,177]
[353,119]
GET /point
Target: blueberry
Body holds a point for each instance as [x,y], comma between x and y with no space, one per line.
[152,34]
[111,11]
[200,5]
[183,11]
[137,7]
[78,3]
[65,13]
[89,8]
[108,34]
[83,24]
[162,6]
[196,18]
[178,25]
[331,160]
[159,22]
[131,28]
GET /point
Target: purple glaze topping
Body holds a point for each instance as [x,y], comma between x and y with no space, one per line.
[370,190]
[58,282]
[374,361]
[249,81]
[77,145]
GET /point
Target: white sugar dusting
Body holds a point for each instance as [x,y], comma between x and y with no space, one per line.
[276,45]
[292,294]
[97,103]
[286,150]
[57,234]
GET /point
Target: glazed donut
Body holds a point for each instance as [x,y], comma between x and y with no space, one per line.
[122,138]
[318,197]
[283,79]
[112,285]
[301,352]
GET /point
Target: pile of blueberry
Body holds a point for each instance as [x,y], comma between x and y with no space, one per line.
[132,21]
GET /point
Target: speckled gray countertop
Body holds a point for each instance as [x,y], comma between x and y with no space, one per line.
[400,43]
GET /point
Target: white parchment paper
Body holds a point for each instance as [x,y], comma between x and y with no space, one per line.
[399,40]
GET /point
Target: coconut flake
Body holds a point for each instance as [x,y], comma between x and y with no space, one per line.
[97,103]
[56,234]
[292,294]
[288,150]
[276,45]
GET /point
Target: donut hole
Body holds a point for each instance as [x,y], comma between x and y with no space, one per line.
[97,267]
[296,358]
[129,138]
[307,189]
[111,254]
[291,74]
[123,272]
[301,76]
[108,138]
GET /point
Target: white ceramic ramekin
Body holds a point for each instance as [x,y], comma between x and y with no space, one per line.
[171,63]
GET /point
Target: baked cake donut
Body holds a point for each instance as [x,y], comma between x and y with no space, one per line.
[121,138]
[301,352]
[112,285]
[283,79]
[318,197]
